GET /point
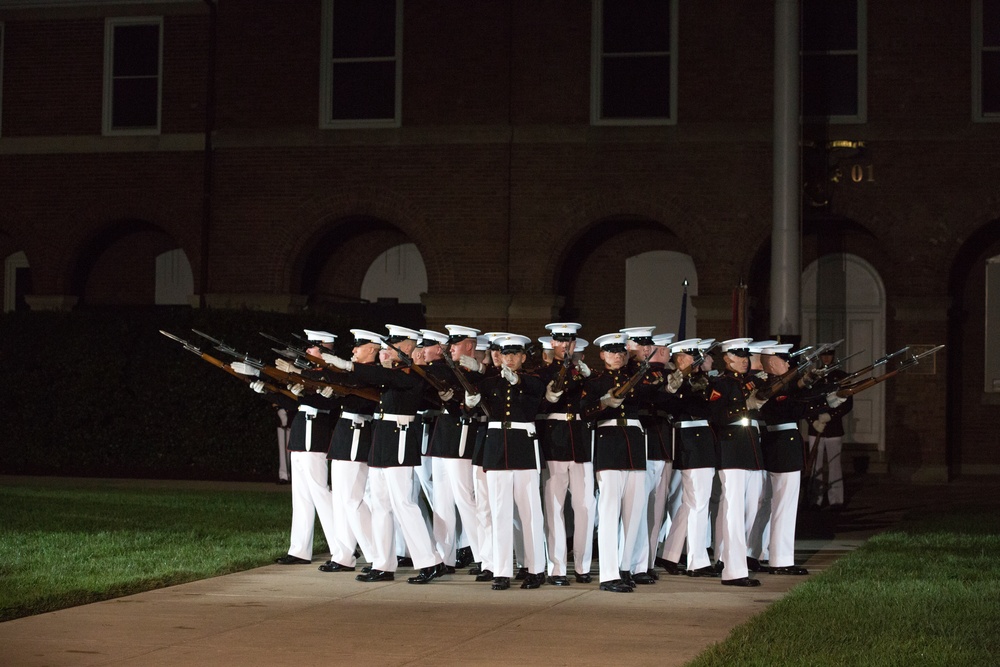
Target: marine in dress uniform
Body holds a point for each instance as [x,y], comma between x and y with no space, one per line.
[512,460]
[348,456]
[757,506]
[394,454]
[737,454]
[565,445]
[694,459]
[619,455]
[826,435]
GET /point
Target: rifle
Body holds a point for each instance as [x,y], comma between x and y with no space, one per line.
[231,351]
[300,355]
[867,383]
[789,376]
[559,383]
[823,372]
[190,347]
[462,379]
[636,378]
[319,385]
[408,360]
[868,369]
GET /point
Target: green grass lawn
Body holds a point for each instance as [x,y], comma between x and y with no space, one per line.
[63,544]
[926,593]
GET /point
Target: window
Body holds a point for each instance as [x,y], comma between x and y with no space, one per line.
[986,60]
[834,60]
[133,56]
[361,70]
[634,62]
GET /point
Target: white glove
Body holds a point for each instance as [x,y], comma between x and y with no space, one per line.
[610,401]
[297,389]
[470,363]
[244,369]
[818,426]
[326,392]
[674,381]
[584,368]
[509,375]
[337,362]
[446,396]
[472,400]
[286,366]
[550,395]
[754,403]
[257,386]
[833,400]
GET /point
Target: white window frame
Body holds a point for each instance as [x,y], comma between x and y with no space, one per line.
[596,74]
[109,30]
[326,75]
[977,67]
[862,53]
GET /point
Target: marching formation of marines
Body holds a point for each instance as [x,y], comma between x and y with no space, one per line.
[454,450]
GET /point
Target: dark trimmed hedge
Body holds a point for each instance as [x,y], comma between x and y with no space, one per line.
[103,393]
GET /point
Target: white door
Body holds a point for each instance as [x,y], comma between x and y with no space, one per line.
[654,288]
[859,318]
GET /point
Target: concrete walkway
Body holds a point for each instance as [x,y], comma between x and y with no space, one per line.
[296,615]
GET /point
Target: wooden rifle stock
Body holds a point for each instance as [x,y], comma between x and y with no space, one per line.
[319,385]
[559,383]
[636,378]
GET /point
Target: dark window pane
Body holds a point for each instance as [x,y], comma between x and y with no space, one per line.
[364,91]
[991,22]
[636,87]
[137,50]
[364,28]
[632,26]
[830,85]
[134,103]
[991,82]
[829,25]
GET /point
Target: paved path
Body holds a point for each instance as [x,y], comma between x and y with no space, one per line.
[296,615]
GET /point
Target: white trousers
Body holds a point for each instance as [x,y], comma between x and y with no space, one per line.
[484,519]
[578,479]
[310,497]
[733,523]
[657,488]
[760,532]
[510,488]
[691,520]
[754,502]
[392,497]
[453,489]
[352,517]
[784,510]
[621,502]
[828,455]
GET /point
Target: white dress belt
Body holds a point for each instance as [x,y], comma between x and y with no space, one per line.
[788,426]
[522,426]
[619,422]
[310,413]
[559,416]
[746,421]
[691,423]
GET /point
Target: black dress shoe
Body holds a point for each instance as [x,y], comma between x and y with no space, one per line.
[330,566]
[476,569]
[366,569]
[788,569]
[283,482]
[584,578]
[501,583]
[669,566]
[292,560]
[754,565]
[522,573]
[744,582]
[558,581]
[654,574]
[616,586]
[443,569]
[533,580]
[643,578]
[707,571]
[404,561]
[626,578]
[376,575]
[719,566]
[485,575]
[463,557]
[426,574]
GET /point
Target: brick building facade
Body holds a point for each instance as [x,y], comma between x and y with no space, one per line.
[522,190]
